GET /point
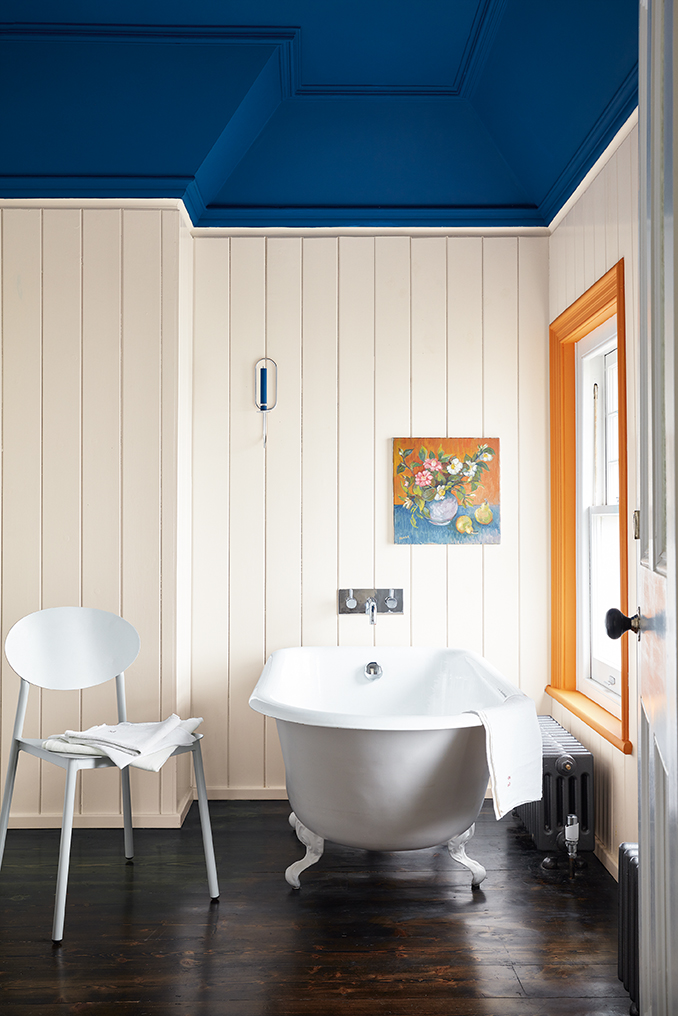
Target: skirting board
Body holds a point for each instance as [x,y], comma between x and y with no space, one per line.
[173,820]
[258,793]
[607,859]
[247,793]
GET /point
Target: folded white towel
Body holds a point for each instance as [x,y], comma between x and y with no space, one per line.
[133,738]
[143,745]
[514,752]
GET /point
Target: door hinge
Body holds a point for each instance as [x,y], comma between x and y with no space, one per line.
[636,525]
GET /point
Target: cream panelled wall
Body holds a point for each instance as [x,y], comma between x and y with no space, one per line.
[601,228]
[375,337]
[96,318]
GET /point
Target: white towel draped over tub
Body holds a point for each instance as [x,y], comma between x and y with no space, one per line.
[143,745]
[514,752]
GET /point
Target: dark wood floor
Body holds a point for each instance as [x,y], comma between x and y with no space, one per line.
[399,934]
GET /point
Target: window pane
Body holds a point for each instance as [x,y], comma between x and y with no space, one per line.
[605,593]
[611,429]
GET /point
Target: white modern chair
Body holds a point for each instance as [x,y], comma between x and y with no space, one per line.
[67,648]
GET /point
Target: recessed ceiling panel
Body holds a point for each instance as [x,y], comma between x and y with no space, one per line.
[129,108]
[368,153]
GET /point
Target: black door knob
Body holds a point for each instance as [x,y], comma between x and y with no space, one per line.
[617,623]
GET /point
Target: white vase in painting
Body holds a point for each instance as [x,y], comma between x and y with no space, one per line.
[442,512]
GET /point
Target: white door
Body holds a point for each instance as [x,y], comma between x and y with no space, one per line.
[657,665]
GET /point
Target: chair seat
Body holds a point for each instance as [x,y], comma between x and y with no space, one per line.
[33,746]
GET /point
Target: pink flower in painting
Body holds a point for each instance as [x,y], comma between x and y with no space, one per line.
[433,465]
[424,478]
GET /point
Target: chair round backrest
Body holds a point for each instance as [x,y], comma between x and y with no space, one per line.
[71,647]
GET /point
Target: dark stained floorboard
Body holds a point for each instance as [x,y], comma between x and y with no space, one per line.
[396,934]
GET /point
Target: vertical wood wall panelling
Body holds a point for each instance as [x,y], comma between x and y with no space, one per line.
[502,562]
[579,238]
[556,296]
[589,238]
[612,213]
[465,419]
[101,446]
[211,504]
[612,208]
[182,497]
[283,469]
[171,292]
[141,470]
[568,228]
[22,417]
[61,456]
[533,444]
[355,460]
[429,420]
[246,579]
[319,442]
[391,419]
[597,191]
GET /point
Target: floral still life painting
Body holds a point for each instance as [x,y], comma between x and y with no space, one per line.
[446,490]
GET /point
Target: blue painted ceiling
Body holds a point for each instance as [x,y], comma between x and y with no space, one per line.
[316,112]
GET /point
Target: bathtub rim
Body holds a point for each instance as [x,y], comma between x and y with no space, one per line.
[278,709]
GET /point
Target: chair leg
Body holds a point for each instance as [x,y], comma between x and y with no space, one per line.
[203,808]
[64,853]
[7,797]
[127,813]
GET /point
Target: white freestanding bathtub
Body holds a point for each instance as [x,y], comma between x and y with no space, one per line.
[379,747]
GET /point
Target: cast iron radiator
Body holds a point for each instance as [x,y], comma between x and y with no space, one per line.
[567,790]
[629,948]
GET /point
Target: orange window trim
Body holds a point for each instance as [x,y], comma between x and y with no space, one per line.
[599,303]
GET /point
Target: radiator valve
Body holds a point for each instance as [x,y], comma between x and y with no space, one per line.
[567,839]
[572,840]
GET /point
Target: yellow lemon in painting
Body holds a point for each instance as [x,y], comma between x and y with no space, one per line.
[464,524]
[484,514]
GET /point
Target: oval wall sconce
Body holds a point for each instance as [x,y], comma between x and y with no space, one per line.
[265,387]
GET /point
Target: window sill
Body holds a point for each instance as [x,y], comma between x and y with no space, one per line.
[604,723]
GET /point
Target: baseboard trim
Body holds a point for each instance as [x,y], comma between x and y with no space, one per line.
[173,820]
[607,858]
[247,793]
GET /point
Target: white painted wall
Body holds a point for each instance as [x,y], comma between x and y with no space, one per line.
[601,228]
[96,317]
[375,338]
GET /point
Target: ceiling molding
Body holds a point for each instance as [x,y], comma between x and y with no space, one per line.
[482,35]
[264,216]
[618,140]
[479,45]
[242,130]
[601,135]
[142,187]
[288,38]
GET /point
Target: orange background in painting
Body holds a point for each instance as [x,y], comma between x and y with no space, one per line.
[459,446]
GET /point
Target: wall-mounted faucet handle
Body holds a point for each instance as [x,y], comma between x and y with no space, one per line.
[354,601]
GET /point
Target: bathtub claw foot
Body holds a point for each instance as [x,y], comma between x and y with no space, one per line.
[457,849]
[314,850]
